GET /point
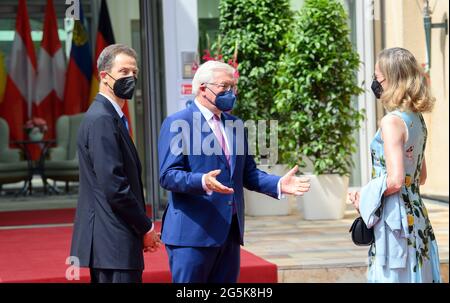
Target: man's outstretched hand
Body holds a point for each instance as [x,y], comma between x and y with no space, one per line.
[293,185]
[213,185]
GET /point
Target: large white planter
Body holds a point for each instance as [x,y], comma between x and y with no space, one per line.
[326,197]
[257,204]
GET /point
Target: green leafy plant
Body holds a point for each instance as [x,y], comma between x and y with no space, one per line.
[316,81]
[256,27]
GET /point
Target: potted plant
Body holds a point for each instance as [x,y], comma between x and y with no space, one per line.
[35,128]
[258,31]
[316,84]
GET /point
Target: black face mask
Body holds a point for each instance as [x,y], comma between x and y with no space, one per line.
[377,89]
[124,87]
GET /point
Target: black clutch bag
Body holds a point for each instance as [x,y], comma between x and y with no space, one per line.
[361,235]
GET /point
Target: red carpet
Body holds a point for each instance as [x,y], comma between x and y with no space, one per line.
[39,254]
[34,217]
[46,216]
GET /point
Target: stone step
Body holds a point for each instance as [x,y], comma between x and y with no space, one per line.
[342,274]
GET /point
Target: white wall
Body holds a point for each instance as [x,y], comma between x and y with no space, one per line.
[405,28]
[437,150]
[365,41]
[180,34]
[121,14]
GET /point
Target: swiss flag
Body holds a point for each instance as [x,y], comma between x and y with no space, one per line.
[20,83]
[48,103]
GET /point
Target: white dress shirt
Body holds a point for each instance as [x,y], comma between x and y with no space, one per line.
[116,106]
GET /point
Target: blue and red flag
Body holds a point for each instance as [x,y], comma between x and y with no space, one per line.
[79,71]
[105,37]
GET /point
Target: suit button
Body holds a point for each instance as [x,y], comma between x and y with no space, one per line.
[230,203]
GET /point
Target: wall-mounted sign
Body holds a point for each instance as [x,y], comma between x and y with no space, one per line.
[187,62]
[186,89]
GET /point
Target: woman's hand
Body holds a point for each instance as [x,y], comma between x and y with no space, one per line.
[353,198]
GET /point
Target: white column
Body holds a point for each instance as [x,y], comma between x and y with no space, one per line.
[180,35]
[364,28]
[122,13]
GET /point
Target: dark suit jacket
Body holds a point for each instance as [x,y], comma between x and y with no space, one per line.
[110,219]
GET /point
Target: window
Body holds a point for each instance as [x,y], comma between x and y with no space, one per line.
[36,14]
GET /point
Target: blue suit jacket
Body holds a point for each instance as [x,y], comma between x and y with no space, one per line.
[193,218]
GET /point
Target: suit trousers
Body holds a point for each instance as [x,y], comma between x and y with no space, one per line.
[207,264]
[99,275]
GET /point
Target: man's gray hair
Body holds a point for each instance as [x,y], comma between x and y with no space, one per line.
[205,73]
[106,59]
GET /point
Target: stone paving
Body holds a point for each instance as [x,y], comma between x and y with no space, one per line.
[322,251]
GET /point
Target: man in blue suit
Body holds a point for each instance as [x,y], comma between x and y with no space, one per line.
[206,164]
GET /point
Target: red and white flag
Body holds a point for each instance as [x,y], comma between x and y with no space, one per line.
[48,103]
[20,83]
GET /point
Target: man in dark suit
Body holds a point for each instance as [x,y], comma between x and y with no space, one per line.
[111,228]
[206,164]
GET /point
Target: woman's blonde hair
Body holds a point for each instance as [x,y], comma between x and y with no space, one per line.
[407,86]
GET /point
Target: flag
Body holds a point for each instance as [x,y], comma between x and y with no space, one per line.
[20,82]
[105,37]
[51,73]
[79,70]
[2,76]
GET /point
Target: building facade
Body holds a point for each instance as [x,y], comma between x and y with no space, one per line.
[168,34]
[402,24]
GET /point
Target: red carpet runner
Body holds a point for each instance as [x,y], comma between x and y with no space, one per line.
[34,217]
[39,254]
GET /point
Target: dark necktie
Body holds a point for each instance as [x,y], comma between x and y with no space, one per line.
[125,122]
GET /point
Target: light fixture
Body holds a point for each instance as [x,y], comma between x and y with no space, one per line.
[428,26]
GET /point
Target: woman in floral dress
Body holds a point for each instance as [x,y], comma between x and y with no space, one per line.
[398,150]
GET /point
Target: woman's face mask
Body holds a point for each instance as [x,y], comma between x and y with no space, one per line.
[377,88]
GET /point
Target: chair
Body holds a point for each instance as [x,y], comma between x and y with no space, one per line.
[12,168]
[63,160]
